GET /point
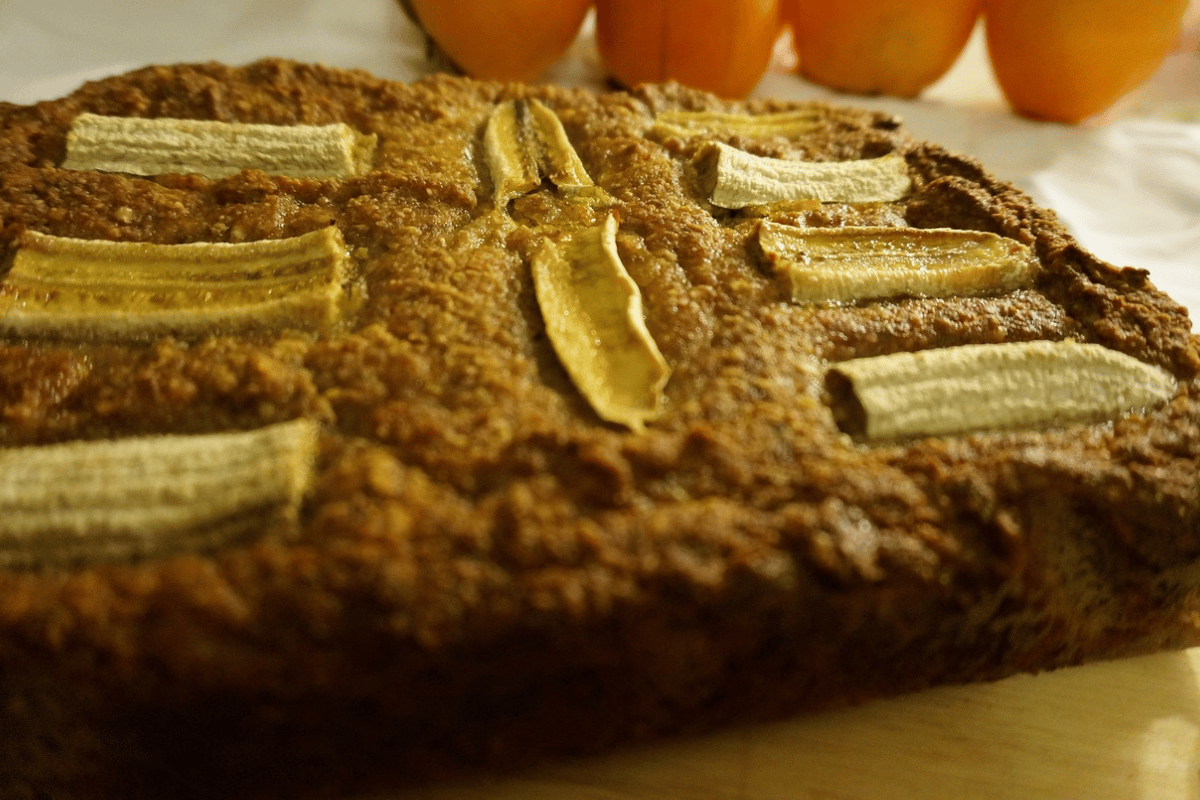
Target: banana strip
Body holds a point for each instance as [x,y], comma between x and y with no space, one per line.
[735,179]
[593,314]
[87,502]
[997,386]
[216,149]
[524,142]
[848,264]
[89,289]
[786,124]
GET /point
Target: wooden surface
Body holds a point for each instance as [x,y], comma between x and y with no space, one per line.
[1125,730]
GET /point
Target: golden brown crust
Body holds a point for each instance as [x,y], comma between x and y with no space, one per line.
[483,566]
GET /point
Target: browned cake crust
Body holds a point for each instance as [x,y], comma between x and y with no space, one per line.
[485,572]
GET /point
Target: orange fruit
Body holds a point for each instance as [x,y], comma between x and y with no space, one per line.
[721,46]
[894,47]
[505,40]
[1066,60]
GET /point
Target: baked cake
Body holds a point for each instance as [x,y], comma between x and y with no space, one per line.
[357,432]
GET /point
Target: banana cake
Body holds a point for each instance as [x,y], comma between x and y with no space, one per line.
[354,433]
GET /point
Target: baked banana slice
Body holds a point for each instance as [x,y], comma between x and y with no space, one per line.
[87,502]
[737,179]
[139,146]
[593,314]
[524,142]
[867,263]
[785,124]
[66,288]
[993,387]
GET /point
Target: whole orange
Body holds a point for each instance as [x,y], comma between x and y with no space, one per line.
[1066,60]
[721,46]
[894,47]
[507,40]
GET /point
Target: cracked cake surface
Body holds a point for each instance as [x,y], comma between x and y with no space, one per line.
[481,567]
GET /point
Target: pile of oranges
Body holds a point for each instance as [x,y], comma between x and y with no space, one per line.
[1061,60]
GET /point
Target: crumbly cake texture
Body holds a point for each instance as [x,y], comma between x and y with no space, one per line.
[485,573]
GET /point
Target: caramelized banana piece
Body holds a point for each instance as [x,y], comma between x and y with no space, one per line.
[736,179]
[593,314]
[512,159]
[847,264]
[216,149]
[86,289]
[559,161]
[524,142]
[993,387]
[786,124]
[88,502]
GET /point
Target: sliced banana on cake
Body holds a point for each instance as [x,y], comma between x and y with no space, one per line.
[94,501]
[991,387]
[736,179]
[593,314]
[139,146]
[864,263]
[785,124]
[89,289]
[524,142]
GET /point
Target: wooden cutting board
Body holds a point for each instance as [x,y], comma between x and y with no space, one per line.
[1125,730]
